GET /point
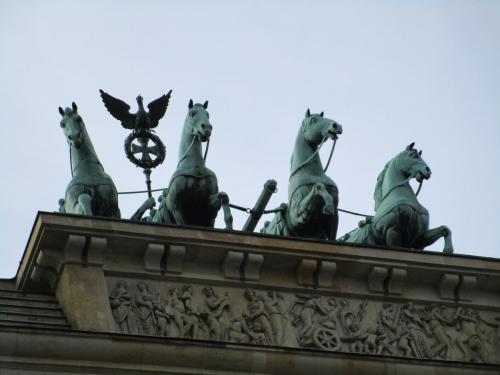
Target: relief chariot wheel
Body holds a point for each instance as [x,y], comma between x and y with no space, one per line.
[326,339]
[147,145]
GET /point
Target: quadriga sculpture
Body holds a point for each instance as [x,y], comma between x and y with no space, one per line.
[193,196]
[91,190]
[312,195]
[400,220]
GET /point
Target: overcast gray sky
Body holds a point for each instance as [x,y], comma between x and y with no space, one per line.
[391,72]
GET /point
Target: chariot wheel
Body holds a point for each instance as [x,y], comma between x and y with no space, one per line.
[326,339]
[144,149]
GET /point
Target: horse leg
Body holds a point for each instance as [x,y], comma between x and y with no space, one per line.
[300,212]
[329,207]
[228,216]
[85,204]
[431,236]
[176,213]
[393,237]
[219,200]
[333,226]
[107,201]
[171,200]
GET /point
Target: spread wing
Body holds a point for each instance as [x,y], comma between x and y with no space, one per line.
[157,108]
[119,110]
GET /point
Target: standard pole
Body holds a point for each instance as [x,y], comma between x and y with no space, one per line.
[147,173]
[260,206]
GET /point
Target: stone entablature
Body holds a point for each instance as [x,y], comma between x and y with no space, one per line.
[204,284]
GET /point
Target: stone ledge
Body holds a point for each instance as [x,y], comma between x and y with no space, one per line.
[27,349]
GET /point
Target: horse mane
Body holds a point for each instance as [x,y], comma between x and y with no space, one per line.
[377,194]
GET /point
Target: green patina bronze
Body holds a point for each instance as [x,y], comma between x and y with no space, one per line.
[91,191]
[312,195]
[193,196]
[400,220]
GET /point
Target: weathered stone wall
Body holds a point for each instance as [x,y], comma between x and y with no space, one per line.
[325,322]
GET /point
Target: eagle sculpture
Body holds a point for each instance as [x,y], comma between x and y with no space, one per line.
[141,120]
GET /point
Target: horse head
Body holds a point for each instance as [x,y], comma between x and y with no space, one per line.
[72,125]
[316,128]
[197,121]
[412,165]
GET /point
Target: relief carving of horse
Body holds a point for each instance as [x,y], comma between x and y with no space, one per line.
[193,196]
[312,195]
[400,220]
[91,191]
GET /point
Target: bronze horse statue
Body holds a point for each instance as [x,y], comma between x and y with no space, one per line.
[91,191]
[400,220]
[193,196]
[312,195]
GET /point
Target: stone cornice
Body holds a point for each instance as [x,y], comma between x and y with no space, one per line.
[224,257]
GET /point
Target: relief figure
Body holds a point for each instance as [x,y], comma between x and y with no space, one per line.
[276,309]
[315,320]
[145,309]
[415,336]
[256,320]
[471,338]
[189,313]
[120,302]
[437,320]
[216,316]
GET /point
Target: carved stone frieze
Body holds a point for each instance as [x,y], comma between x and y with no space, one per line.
[330,323]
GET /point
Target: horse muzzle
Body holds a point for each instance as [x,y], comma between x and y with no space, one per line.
[334,130]
[423,175]
[205,134]
[75,141]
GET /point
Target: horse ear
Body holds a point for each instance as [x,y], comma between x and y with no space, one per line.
[205,105]
[190,105]
[420,153]
[75,108]
[61,111]
[410,146]
[321,114]
[308,113]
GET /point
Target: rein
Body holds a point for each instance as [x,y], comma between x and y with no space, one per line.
[91,155]
[186,152]
[206,150]
[310,158]
[330,157]
[70,161]
[419,188]
[404,182]
[189,148]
